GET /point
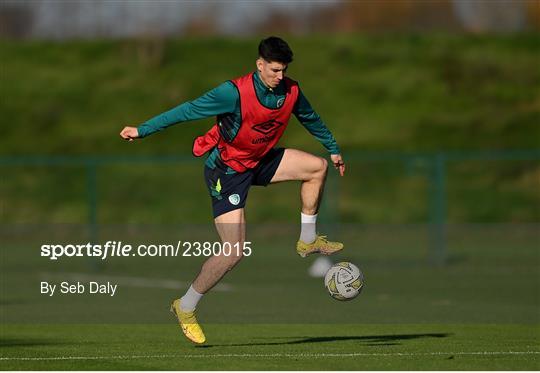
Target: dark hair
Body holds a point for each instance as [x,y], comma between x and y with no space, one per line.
[274,49]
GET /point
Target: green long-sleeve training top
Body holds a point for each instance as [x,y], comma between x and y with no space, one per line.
[225,99]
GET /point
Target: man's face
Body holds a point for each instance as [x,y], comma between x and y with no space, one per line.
[271,72]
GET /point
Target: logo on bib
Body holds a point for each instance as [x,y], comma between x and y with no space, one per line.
[280,102]
[234,199]
[267,127]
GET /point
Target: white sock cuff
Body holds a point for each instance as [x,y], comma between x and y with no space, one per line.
[189,301]
[195,292]
[308,219]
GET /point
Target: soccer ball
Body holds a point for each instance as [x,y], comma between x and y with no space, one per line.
[344,281]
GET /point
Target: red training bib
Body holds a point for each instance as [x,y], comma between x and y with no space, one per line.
[260,129]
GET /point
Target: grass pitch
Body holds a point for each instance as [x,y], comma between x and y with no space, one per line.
[478,312]
[272,347]
[413,93]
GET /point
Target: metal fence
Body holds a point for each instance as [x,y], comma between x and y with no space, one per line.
[433,167]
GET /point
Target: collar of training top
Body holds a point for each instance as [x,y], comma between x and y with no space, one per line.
[260,84]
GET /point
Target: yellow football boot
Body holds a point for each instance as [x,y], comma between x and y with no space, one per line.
[188,323]
[320,245]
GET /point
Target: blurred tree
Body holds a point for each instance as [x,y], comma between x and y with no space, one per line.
[382,15]
[491,15]
[15,21]
[533,13]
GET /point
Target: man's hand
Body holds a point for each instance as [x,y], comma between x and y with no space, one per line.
[129,133]
[338,163]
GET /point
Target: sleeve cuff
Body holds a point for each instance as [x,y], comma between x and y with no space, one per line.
[334,149]
[141,131]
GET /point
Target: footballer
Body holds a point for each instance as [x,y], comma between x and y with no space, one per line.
[252,113]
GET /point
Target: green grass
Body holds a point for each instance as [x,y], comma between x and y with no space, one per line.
[380,93]
[399,92]
[272,347]
[469,314]
[408,93]
[491,276]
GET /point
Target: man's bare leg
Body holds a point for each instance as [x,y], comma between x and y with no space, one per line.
[231,228]
[312,171]
[308,168]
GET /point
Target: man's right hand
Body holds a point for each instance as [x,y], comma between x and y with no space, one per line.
[129,133]
[338,163]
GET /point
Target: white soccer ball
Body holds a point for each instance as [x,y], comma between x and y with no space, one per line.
[344,281]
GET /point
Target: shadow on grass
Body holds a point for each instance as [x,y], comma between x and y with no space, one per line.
[372,340]
[28,342]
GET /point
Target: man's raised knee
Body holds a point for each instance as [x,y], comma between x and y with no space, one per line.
[324,164]
[322,167]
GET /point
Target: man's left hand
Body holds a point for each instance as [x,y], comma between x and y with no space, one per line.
[338,163]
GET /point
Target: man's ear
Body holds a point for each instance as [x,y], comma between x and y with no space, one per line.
[260,64]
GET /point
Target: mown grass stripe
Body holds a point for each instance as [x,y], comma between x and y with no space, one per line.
[322,355]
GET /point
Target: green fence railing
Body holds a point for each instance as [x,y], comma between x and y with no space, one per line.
[434,166]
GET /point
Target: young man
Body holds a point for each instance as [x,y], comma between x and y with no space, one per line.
[252,113]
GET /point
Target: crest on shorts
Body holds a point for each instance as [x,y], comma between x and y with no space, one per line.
[234,199]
